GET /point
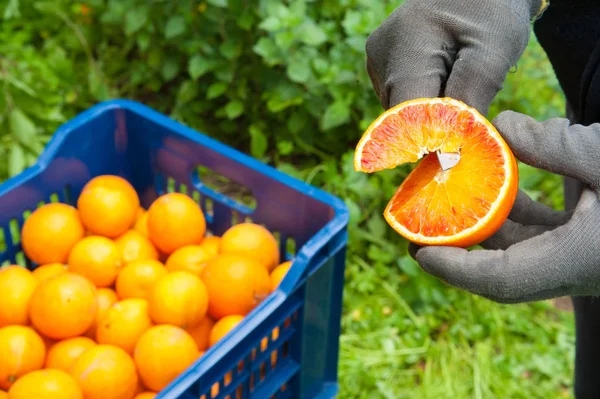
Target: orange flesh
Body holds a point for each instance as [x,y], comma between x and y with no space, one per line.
[432,202]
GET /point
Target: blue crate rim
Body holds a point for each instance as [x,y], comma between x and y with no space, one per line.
[339,221]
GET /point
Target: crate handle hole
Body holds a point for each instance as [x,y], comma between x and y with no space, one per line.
[3,246]
[15,231]
[203,176]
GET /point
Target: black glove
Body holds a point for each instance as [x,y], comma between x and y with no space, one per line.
[456,48]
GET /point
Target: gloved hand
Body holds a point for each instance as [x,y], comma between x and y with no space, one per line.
[538,253]
[461,49]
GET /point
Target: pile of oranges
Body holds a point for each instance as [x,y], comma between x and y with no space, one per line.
[124,299]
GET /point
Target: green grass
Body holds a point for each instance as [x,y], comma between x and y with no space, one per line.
[448,344]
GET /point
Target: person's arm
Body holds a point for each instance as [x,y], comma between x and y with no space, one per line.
[456,48]
[538,253]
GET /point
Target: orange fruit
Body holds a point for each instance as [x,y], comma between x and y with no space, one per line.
[48,342]
[46,384]
[108,205]
[191,258]
[64,306]
[174,221]
[279,273]
[178,298]
[105,298]
[16,288]
[140,387]
[460,206]
[141,224]
[146,395]
[223,326]
[136,279]
[162,353]
[251,241]
[124,324]
[140,212]
[50,232]
[201,331]
[118,183]
[3,394]
[22,350]
[134,246]
[96,258]
[212,243]
[235,285]
[106,372]
[49,270]
[64,353]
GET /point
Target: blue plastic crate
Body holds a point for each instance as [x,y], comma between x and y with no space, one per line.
[157,154]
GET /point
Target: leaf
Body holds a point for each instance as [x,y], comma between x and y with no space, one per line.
[285,147]
[97,86]
[279,10]
[22,128]
[215,90]
[320,65]
[336,114]
[135,19]
[16,160]
[187,91]
[299,72]
[199,65]
[41,110]
[298,9]
[154,58]
[353,210]
[378,254]
[234,108]
[12,10]
[285,40]
[19,84]
[267,49]
[376,225]
[246,20]
[357,43]
[230,49]
[408,266]
[175,26]
[170,68]
[225,72]
[352,22]
[258,142]
[218,3]
[296,122]
[311,33]
[143,41]
[271,24]
[284,96]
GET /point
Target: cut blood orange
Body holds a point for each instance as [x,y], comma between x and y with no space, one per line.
[460,206]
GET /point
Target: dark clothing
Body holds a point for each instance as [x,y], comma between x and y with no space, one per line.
[569,32]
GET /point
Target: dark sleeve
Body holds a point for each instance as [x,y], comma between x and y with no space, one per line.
[569,32]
